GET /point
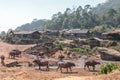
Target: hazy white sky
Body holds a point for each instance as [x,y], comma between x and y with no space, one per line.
[14,13]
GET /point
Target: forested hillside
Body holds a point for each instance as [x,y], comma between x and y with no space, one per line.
[104,7]
[106,15]
[74,18]
[85,18]
[34,25]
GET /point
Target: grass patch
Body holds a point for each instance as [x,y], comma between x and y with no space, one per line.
[80,50]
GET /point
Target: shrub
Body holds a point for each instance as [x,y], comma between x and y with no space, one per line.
[75,49]
[93,51]
[108,67]
[60,45]
[114,43]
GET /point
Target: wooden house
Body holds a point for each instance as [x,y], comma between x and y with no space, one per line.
[78,33]
[26,34]
[113,35]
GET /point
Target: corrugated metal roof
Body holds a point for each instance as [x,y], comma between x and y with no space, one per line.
[23,32]
[77,31]
[98,39]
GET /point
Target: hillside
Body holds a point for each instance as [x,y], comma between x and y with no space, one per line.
[25,72]
[32,73]
[34,25]
[104,14]
[104,7]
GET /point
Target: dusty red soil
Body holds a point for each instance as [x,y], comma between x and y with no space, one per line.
[31,73]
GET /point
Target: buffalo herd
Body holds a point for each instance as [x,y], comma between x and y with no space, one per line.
[60,64]
[67,65]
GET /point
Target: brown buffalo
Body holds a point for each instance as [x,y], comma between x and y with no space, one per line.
[18,52]
[2,60]
[42,63]
[91,63]
[65,65]
[14,53]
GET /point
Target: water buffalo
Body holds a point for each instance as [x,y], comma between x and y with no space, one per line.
[14,53]
[2,60]
[65,65]
[41,54]
[42,63]
[91,63]
[18,52]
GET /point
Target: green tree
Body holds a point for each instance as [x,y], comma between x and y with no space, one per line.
[3,33]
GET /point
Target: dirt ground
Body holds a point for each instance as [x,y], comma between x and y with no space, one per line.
[115,75]
[32,73]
